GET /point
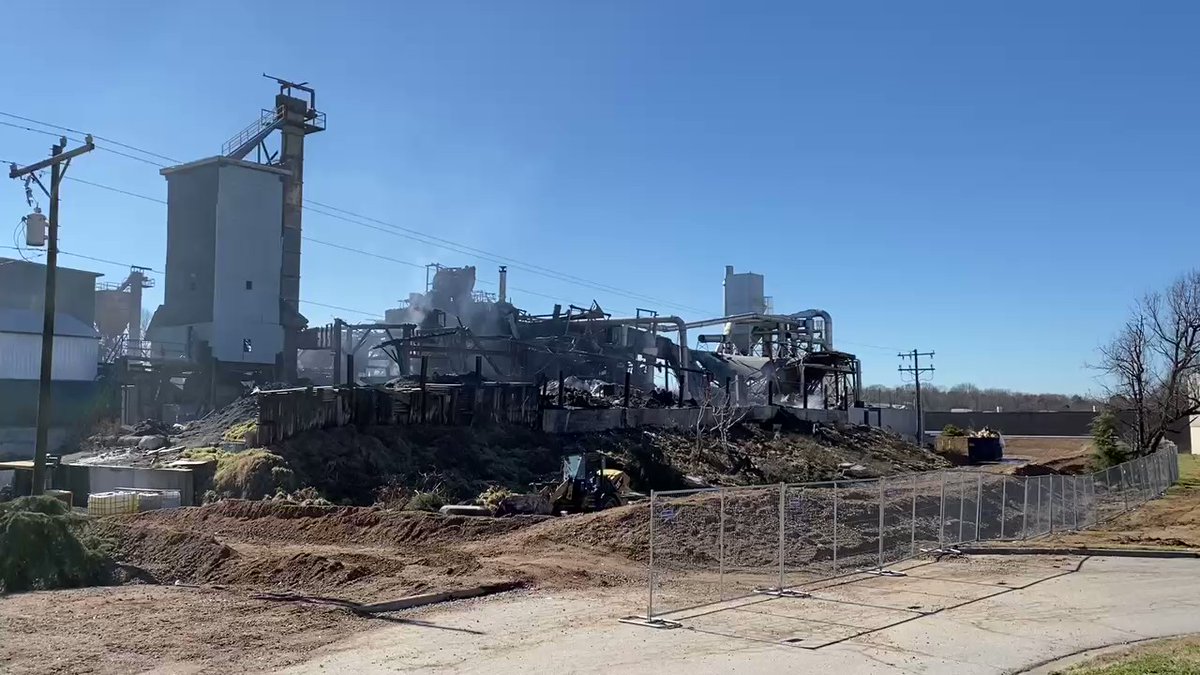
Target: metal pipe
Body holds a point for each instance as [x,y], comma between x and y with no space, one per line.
[721,546]
[1003,504]
[795,319]
[650,575]
[835,522]
[1025,511]
[782,497]
[881,507]
[680,327]
[962,502]
[912,525]
[978,505]
[942,514]
[502,294]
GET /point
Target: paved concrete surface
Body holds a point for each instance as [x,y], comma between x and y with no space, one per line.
[986,615]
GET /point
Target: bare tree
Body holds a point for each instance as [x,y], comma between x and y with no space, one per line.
[1152,362]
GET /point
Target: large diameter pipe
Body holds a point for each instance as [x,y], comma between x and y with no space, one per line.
[787,319]
[680,327]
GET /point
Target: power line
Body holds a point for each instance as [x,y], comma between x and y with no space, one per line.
[395,229]
[56,134]
[344,309]
[314,240]
[529,267]
[77,131]
[118,190]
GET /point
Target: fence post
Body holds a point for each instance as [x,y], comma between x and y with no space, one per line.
[1025,510]
[1051,477]
[835,523]
[912,534]
[942,514]
[1038,525]
[1003,504]
[962,499]
[880,523]
[782,496]
[1124,491]
[1075,499]
[650,599]
[978,504]
[721,548]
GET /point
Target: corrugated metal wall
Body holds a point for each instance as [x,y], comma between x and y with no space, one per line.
[75,358]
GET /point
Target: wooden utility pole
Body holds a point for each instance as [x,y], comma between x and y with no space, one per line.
[60,159]
[916,369]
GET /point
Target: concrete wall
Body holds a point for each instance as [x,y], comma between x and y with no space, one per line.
[191,245]
[899,421]
[109,478]
[1059,423]
[249,218]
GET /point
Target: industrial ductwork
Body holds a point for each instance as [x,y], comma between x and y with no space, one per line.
[796,319]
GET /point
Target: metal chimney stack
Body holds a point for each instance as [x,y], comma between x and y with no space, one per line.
[503,295]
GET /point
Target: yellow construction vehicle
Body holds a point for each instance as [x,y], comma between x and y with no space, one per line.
[588,485]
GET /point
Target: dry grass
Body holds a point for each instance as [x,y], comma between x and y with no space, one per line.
[1179,656]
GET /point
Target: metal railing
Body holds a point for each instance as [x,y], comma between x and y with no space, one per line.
[712,545]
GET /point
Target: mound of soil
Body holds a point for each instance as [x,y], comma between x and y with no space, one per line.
[349,465]
[266,522]
[210,430]
[352,553]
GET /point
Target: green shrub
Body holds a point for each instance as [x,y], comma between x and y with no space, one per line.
[249,474]
[951,430]
[1109,449]
[43,545]
[425,501]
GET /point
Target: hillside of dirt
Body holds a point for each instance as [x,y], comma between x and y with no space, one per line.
[349,465]
[355,553]
[1171,521]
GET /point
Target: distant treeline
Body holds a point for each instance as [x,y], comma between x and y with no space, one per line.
[972,397]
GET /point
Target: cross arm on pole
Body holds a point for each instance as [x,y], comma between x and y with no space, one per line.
[88,145]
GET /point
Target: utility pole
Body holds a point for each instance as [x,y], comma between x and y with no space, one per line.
[59,160]
[916,369]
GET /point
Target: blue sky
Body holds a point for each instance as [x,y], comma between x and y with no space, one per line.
[993,181]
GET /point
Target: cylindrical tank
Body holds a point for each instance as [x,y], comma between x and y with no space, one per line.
[112,312]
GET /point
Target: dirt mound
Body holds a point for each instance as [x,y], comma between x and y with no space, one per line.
[624,530]
[210,430]
[349,464]
[267,521]
[168,554]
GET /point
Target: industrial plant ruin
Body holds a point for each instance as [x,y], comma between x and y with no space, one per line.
[231,321]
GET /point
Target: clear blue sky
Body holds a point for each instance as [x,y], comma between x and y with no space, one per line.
[992,181]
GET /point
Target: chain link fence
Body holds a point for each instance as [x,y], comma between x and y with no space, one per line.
[721,544]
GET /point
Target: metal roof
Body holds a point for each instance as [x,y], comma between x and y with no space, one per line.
[14,320]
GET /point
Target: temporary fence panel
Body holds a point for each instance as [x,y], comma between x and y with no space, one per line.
[685,549]
[857,526]
[753,517]
[713,545]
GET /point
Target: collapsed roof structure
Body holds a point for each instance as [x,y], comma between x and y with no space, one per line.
[451,330]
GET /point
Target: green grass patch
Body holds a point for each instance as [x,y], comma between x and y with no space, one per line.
[43,545]
[1178,656]
[249,474]
[1189,471]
